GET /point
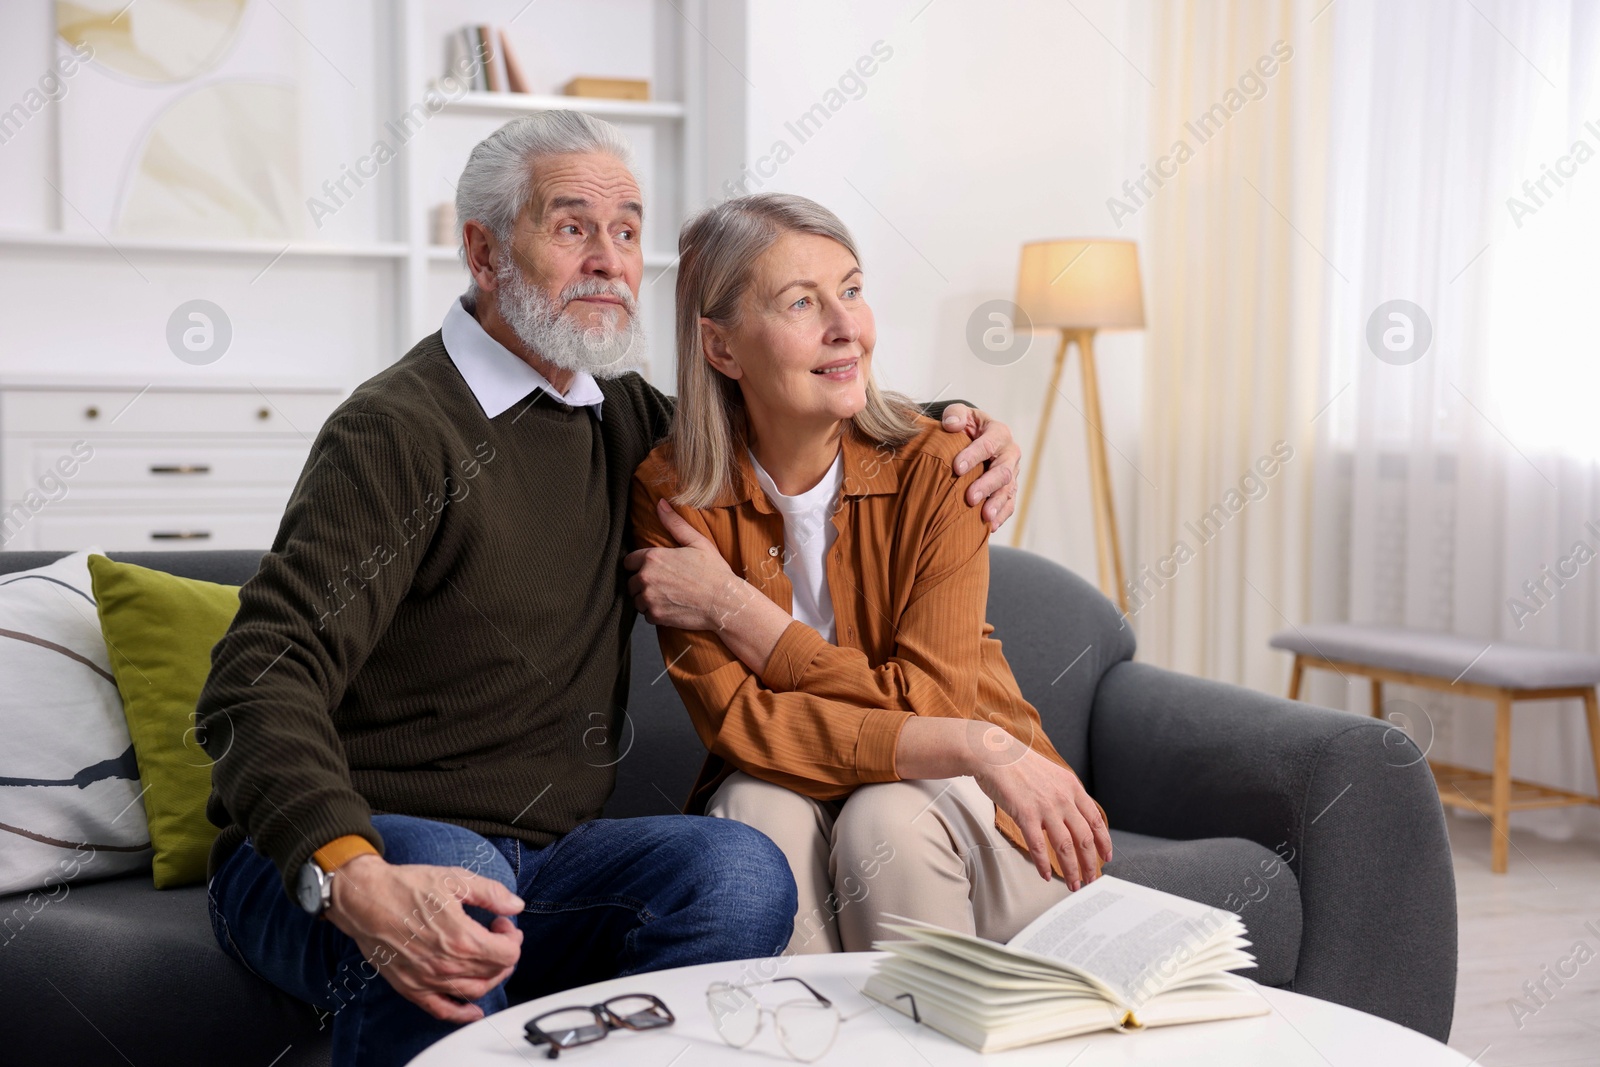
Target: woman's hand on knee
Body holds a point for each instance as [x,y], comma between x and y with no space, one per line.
[409,922]
[1052,808]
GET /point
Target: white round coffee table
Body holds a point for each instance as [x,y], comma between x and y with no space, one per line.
[1298,1030]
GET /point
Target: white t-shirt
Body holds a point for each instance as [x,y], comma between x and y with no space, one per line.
[808,533]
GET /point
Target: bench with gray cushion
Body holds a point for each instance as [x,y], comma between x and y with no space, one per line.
[1218,793]
[1462,666]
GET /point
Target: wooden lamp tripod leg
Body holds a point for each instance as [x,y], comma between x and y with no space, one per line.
[1108,547]
[1036,460]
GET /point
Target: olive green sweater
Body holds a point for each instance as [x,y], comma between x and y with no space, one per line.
[441,628]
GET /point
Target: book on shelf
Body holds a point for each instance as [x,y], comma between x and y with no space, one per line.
[493,65]
[464,57]
[516,77]
[487,53]
[1113,956]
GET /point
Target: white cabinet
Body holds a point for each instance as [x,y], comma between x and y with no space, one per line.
[153,466]
[66,530]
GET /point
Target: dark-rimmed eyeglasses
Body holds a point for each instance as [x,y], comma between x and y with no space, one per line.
[567,1028]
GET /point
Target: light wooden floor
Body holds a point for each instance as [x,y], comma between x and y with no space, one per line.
[1514,925]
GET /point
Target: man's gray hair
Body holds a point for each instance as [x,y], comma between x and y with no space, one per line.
[497,182]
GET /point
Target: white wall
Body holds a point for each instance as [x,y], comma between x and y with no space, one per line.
[988,125]
[26,51]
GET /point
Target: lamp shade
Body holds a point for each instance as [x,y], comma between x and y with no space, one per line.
[1081,284]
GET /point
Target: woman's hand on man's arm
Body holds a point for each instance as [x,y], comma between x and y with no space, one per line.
[693,588]
[1047,801]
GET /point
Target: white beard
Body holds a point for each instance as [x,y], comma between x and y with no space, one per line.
[605,350]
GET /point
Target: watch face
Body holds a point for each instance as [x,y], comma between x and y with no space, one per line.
[309,889]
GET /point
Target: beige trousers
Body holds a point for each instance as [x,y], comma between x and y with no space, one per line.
[926,850]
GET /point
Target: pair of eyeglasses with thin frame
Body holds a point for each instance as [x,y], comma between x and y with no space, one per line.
[567,1028]
[806,1026]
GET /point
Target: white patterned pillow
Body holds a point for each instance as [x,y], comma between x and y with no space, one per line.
[69,785]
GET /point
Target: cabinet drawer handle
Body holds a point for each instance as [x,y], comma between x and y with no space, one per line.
[181,468]
[180,535]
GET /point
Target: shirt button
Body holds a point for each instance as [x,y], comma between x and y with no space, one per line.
[773,551]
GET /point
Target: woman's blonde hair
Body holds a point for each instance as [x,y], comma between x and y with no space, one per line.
[717,250]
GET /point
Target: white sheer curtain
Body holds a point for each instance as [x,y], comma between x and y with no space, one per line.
[1445,481]
[1235,281]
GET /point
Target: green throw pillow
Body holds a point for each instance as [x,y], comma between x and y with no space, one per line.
[159,630]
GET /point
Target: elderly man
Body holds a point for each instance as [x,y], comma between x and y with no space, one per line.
[414,713]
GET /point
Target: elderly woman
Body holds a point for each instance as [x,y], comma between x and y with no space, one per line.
[827,629]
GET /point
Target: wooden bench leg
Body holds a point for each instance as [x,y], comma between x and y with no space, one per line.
[1377,699]
[1500,797]
[1591,710]
[1300,669]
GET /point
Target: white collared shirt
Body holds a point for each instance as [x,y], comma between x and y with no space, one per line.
[497,376]
[808,535]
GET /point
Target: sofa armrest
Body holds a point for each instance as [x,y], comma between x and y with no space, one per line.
[1348,800]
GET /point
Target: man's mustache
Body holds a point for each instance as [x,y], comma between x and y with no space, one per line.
[600,287]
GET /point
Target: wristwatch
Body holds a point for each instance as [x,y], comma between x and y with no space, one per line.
[315,888]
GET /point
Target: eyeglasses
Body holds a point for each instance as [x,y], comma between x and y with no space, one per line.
[806,1027]
[566,1028]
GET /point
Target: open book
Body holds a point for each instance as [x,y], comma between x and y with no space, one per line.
[1112,956]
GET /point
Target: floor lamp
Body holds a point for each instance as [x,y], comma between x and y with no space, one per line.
[1079,287]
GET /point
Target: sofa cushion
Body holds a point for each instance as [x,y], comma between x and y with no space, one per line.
[1228,873]
[160,629]
[121,969]
[1442,655]
[69,786]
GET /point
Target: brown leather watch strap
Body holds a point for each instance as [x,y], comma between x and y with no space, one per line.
[342,850]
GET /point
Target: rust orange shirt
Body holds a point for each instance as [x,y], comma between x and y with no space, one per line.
[909,579]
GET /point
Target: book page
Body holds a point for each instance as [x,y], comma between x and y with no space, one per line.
[952,1015]
[1133,939]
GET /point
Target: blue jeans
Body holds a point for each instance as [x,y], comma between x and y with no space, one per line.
[614,897]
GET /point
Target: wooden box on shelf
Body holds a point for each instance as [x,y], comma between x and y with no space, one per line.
[608,88]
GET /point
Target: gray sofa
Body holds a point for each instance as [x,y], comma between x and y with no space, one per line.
[1206,786]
